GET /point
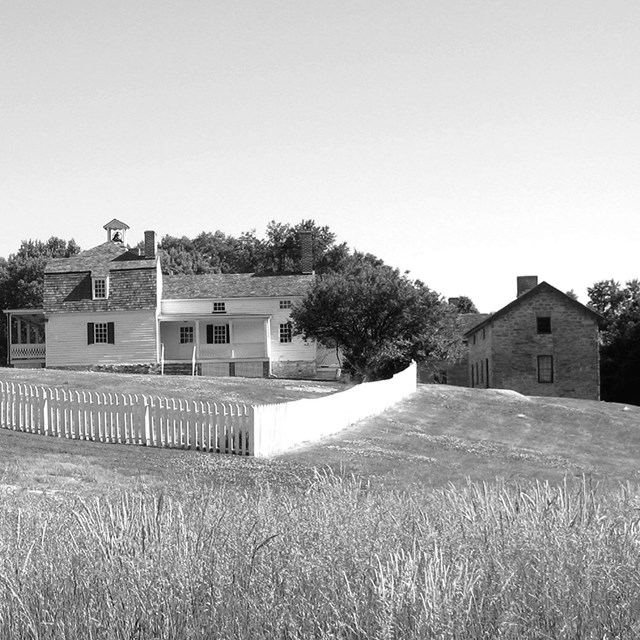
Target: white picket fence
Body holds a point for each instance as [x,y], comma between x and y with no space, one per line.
[219,427]
[127,418]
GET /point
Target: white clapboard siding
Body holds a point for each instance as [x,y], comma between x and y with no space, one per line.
[119,418]
[234,306]
[135,339]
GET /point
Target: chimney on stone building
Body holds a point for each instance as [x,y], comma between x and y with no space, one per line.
[149,244]
[526,283]
[306,251]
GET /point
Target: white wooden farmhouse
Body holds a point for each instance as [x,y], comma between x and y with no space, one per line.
[111,305]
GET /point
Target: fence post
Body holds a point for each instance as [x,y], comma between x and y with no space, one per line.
[147,421]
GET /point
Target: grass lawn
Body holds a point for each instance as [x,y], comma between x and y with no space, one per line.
[247,390]
[438,436]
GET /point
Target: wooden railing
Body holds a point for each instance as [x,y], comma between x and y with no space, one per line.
[34,351]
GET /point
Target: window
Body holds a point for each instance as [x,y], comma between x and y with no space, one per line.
[186,335]
[218,334]
[286,304]
[286,332]
[100,333]
[219,307]
[100,288]
[545,369]
[544,324]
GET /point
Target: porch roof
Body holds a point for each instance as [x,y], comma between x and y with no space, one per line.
[211,317]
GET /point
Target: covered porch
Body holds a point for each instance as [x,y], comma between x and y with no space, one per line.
[26,338]
[217,345]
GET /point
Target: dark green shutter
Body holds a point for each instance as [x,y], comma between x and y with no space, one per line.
[90,339]
[209,334]
[111,333]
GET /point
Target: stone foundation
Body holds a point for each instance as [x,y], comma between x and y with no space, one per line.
[293,369]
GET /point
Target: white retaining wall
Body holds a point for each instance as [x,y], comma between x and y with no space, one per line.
[281,426]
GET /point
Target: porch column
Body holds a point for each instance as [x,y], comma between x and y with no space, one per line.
[232,342]
[267,337]
[197,339]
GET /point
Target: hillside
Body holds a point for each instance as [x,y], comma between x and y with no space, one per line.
[446,434]
[441,434]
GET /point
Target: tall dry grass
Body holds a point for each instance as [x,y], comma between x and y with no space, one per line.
[333,560]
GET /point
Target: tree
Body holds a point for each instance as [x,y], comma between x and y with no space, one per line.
[464,304]
[380,319]
[620,339]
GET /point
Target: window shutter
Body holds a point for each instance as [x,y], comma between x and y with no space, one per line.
[228,334]
[209,334]
[90,339]
[111,333]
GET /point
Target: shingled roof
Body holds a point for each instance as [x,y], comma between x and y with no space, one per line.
[108,256]
[235,285]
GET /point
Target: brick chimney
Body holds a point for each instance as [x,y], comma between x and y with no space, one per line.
[306,251]
[149,244]
[526,283]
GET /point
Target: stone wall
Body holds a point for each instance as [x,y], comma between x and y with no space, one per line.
[293,368]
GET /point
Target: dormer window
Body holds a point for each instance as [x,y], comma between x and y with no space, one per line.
[219,307]
[100,288]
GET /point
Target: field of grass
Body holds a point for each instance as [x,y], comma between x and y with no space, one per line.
[457,514]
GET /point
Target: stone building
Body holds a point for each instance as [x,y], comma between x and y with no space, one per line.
[544,343]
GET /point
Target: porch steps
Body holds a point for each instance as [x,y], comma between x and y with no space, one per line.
[179,369]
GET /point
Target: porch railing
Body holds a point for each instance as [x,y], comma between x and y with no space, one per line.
[33,351]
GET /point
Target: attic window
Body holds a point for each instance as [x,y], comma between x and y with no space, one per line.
[100,288]
[544,324]
[285,304]
[219,307]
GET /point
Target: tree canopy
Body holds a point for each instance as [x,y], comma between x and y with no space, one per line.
[620,339]
[278,252]
[379,318]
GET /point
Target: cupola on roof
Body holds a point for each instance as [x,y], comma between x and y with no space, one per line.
[116,231]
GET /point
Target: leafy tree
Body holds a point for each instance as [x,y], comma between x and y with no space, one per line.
[279,252]
[464,304]
[380,319]
[620,339]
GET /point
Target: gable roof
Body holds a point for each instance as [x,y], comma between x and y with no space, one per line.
[235,285]
[543,286]
[109,256]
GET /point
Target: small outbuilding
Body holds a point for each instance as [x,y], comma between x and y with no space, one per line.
[544,343]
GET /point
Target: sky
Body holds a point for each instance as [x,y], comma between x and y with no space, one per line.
[467,142]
